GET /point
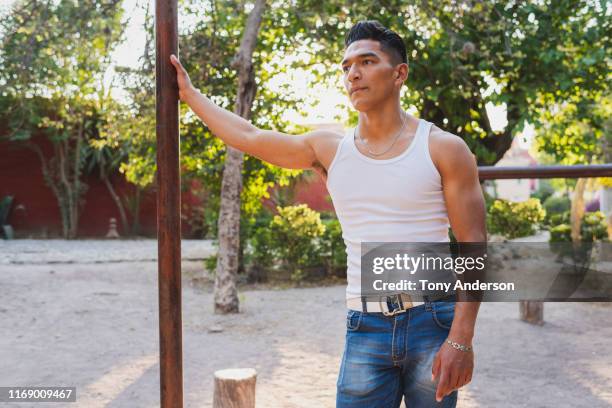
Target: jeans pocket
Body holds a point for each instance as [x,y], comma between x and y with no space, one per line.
[443,314]
[353,320]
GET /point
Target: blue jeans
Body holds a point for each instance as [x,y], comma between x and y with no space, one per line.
[390,357]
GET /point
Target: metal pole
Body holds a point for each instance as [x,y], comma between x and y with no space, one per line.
[168,207]
[540,172]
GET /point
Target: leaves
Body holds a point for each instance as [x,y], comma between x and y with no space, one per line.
[577,131]
[54,55]
[547,62]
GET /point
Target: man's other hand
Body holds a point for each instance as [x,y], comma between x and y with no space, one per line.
[453,368]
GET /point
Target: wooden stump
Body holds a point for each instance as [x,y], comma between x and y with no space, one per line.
[532,311]
[235,388]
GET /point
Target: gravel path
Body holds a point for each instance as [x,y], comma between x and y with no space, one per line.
[33,251]
[93,325]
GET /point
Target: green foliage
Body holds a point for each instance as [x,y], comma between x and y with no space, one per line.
[218,32]
[559,218]
[525,55]
[58,50]
[131,124]
[54,57]
[593,228]
[293,240]
[515,220]
[262,245]
[561,233]
[210,264]
[333,248]
[605,182]
[554,206]
[577,130]
[295,230]
[546,61]
[261,251]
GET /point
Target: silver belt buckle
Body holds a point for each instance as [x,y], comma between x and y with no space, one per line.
[400,302]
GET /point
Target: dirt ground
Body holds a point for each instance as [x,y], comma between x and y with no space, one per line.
[94,326]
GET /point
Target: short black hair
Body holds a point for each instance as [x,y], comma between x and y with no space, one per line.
[390,41]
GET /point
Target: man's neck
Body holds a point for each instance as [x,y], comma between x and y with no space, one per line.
[383,124]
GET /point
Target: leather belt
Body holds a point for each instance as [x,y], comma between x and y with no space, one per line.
[389,305]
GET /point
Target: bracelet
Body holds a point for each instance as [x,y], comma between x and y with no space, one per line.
[459,346]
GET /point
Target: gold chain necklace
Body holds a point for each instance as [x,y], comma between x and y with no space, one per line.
[365,144]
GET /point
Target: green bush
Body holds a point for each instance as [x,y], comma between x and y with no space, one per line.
[258,251]
[293,240]
[261,247]
[515,220]
[561,233]
[295,232]
[555,206]
[297,241]
[558,219]
[333,248]
[593,227]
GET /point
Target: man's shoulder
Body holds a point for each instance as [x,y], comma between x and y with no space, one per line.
[448,151]
[324,139]
[443,139]
[325,143]
[325,135]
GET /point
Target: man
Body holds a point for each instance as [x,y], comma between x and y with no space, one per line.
[392,178]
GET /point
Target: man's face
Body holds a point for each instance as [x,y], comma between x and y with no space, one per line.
[369,74]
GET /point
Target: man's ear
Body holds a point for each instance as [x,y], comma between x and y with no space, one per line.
[399,71]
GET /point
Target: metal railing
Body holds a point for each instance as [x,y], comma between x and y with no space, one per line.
[539,172]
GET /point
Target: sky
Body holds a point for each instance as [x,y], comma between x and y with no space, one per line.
[324,111]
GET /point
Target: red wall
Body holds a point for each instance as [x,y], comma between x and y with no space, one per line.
[35,212]
[314,194]
[34,206]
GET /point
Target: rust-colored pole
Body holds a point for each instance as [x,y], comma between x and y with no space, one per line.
[540,172]
[168,207]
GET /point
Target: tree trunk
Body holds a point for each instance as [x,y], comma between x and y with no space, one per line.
[532,311]
[118,203]
[235,388]
[76,183]
[577,210]
[48,176]
[226,294]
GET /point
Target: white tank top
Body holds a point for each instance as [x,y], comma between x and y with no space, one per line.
[389,200]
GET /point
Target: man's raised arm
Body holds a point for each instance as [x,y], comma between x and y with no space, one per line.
[280,149]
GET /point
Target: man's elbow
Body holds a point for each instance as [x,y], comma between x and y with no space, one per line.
[247,139]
